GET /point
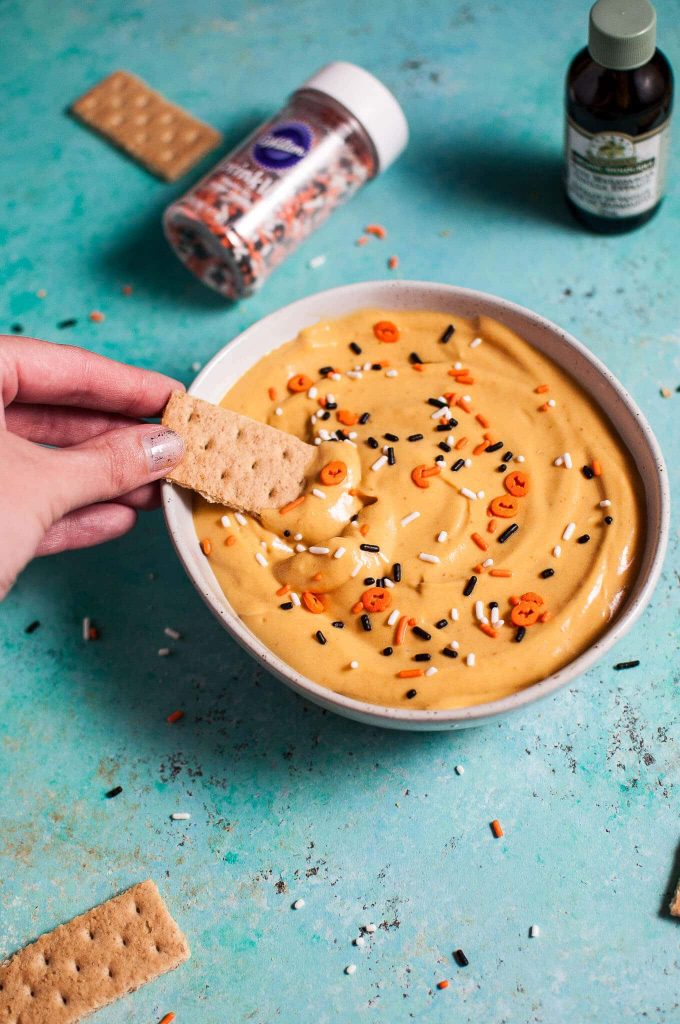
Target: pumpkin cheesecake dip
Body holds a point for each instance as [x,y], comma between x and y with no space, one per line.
[470,524]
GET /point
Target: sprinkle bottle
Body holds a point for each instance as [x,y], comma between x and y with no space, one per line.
[618,106]
[341,128]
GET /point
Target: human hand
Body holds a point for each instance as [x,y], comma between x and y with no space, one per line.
[103,465]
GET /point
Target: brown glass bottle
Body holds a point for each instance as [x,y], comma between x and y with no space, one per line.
[617,125]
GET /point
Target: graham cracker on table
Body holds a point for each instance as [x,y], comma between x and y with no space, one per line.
[674,905]
[156,133]
[93,960]
[234,460]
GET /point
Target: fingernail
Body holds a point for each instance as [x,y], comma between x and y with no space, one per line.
[164,448]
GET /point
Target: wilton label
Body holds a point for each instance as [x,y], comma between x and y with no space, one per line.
[282,146]
[614,175]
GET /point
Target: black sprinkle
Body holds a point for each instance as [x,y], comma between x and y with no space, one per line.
[364,418]
[520,634]
[376,366]
[355,348]
[391,457]
[441,623]
[422,633]
[331,405]
[449,652]
[66,323]
[470,586]
[546,574]
[506,534]
[440,459]
[372,443]
[442,427]
[502,468]
[324,370]
[342,435]
[444,446]
[587,472]
[507,457]
[338,624]
[414,358]
[369,581]
[458,464]
[286,533]
[415,437]
[453,423]
[493,604]
[390,437]
[354,518]
[370,547]
[324,415]
[320,637]
[609,520]
[387,651]
[32,626]
[460,958]
[437,403]
[422,657]
[114,792]
[396,572]
[494,447]
[17,328]
[448,334]
[583,539]
[366,623]
[626,664]
[410,694]
[287,605]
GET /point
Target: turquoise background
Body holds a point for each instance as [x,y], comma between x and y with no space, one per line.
[286,800]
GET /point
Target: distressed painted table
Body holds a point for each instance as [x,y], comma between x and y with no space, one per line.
[287,801]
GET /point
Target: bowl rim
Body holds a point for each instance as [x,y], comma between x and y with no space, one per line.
[174,500]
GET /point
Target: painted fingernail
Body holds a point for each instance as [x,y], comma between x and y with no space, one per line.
[164,448]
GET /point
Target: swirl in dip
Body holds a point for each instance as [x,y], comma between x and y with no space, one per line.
[474,527]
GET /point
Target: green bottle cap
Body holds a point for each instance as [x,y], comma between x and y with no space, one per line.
[622,33]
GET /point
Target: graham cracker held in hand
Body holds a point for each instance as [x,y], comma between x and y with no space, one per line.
[157,134]
[93,960]
[234,460]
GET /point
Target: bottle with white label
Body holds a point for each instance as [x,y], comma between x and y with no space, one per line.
[618,106]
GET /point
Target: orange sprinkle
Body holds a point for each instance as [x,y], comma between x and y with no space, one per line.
[93,633]
[596,467]
[127,289]
[315,603]
[545,616]
[466,380]
[353,492]
[489,630]
[361,241]
[321,401]
[479,448]
[482,420]
[295,503]
[541,389]
[285,589]
[363,529]
[417,366]
[420,475]
[376,599]
[502,573]
[460,444]
[491,526]
[347,418]
[376,229]
[272,394]
[479,568]
[496,828]
[544,407]
[393,262]
[450,397]
[96,317]
[206,546]
[411,621]
[443,984]
[317,576]
[231,539]
[480,542]
[299,382]
[410,673]
[358,607]
[175,717]
[402,626]
[168,1019]
[514,601]
[458,373]
[385,330]
[333,472]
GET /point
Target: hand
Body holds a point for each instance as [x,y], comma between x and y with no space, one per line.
[103,462]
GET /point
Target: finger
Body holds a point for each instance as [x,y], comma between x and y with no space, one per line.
[109,465]
[53,424]
[86,527]
[144,498]
[43,371]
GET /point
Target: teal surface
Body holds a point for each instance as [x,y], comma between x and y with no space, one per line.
[287,801]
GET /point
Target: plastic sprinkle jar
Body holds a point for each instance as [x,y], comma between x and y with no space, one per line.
[338,130]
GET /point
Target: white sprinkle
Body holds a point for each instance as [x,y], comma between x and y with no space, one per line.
[350,969]
[424,557]
[172,633]
[519,458]
[339,552]
[605,504]
[534,932]
[466,398]
[180,816]
[295,598]
[470,660]
[240,519]
[312,419]
[318,493]
[367,366]
[354,374]
[391,373]
[356,570]
[487,562]
[441,411]
[371,928]
[454,615]
[568,531]
[263,544]
[387,582]
[501,622]
[475,343]
[317,440]
[440,459]
[381,554]
[459,769]
[278,411]
[379,463]
[298,905]
[260,559]
[567,461]
[467,493]
[480,494]
[431,671]
[359,941]
[196,366]
[316,550]
[454,645]
[334,376]
[163,652]
[551,402]
[316,261]
[558,461]
[347,441]
[442,536]
[313,392]
[330,398]
[324,435]
[393,617]
[458,366]
[495,616]
[385,449]
[226,522]
[354,664]
[280,546]
[300,548]
[86,628]
[297,536]
[557,551]
[410,518]
[468,463]
[479,610]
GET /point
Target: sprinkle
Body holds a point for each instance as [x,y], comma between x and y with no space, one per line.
[568,531]
[519,458]
[359,941]
[415,437]
[373,548]
[422,633]
[391,373]
[534,932]
[541,389]
[546,574]
[470,660]
[396,572]
[96,317]
[350,969]
[475,343]
[587,472]
[318,493]
[339,552]
[387,651]
[443,984]
[422,657]
[448,334]
[480,542]
[458,464]
[354,664]
[300,548]
[583,539]
[299,904]
[355,348]
[379,463]
[567,460]
[366,623]
[260,559]
[460,958]
[393,262]
[597,467]
[317,550]
[608,520]
[626,664]
[454,615]
[32,626]
[168,1019]
[520,634]
[470,586]
[63,324]
[240,519]
[394,615]
[113,792]
[320,637]
[459,769]
[467,493]
[442,536]
[441,624]
[316,261]
[496,828]
[449,652]
[487,563]
[175,717]
[431,671]
[507,533]
[425,557]
[163,652]
[605,504]
[454,645]
[295,598]
[495,614]
[180,816]
[551,403]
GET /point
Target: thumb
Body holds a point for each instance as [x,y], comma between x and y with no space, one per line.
[113,463]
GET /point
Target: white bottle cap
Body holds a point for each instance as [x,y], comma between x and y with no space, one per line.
[370,102]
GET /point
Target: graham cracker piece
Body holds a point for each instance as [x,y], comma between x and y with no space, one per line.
[674,905]
[156,133]
[93,960]
[234,460]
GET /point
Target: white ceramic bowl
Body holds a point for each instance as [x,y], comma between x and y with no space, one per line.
[239,355]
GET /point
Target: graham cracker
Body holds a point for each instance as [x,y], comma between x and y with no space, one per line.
[93,960]
[156,133]
[234,460]
[674,905]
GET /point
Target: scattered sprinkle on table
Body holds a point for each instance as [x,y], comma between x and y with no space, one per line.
[97,317]
[168,1019]
[180,816]
[299,904]
[460,958]
[370,928]
[175,717]
[163,652]
[32,626]
[534,931]
[460,770]
[114,792]
[626,664]
[63,324]
[350,969]
[497,828]
[443,984]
